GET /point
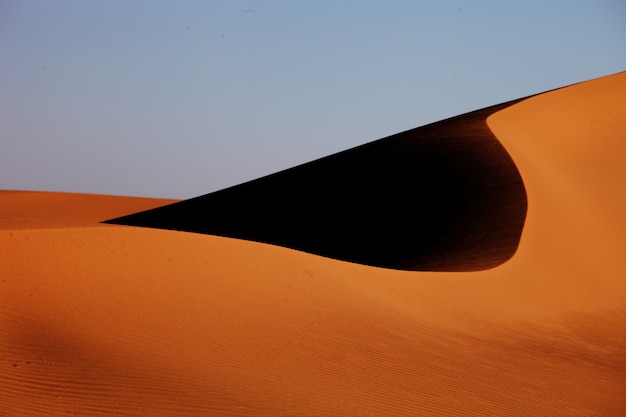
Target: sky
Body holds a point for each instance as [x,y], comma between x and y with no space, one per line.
[177,99]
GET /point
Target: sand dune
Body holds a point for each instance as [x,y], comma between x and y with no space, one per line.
[23,209]
[99,319]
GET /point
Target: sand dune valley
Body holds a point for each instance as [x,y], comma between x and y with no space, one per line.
[487,279]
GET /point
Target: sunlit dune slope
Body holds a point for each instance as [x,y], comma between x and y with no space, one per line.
[114,320]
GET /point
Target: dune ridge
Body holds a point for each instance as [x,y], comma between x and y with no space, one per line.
[442,197]
[114,320]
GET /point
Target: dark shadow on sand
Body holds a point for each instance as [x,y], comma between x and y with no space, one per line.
[443,197]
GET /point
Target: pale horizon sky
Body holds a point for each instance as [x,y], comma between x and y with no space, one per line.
[181,98]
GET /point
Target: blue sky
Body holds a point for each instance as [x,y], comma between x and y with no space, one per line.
[181,98]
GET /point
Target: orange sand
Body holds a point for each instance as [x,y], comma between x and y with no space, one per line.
[23,209]
[112,320]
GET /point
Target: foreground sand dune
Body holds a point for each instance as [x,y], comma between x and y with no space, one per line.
[113,320]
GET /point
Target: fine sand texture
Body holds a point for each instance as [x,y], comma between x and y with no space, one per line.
[101,319]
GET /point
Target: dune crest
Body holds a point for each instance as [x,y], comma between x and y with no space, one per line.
[442,197]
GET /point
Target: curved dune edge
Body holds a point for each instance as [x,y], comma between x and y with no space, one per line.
[108,320]
[441,197]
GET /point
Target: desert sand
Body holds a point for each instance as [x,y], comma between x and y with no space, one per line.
[99,319]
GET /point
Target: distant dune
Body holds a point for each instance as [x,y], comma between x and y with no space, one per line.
[104,319]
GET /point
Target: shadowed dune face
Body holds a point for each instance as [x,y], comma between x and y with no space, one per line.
[443,197]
